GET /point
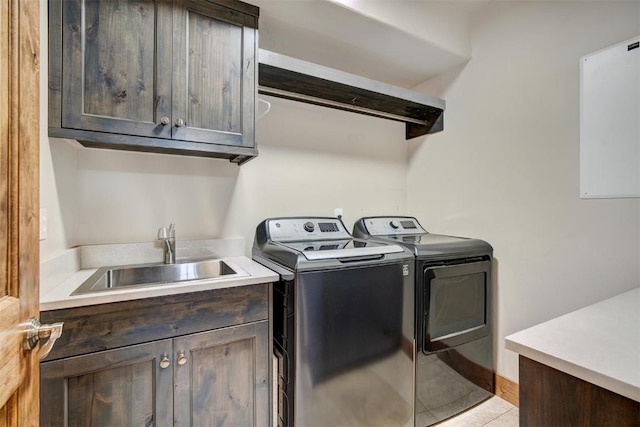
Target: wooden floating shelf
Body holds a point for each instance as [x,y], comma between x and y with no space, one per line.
[290,78]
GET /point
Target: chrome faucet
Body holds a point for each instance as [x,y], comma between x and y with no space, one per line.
[168,238]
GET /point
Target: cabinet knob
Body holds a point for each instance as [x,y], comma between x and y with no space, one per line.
[165,120]
[179,123]
[182,359]
[165,362]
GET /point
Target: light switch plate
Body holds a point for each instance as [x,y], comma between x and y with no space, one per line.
[43,224]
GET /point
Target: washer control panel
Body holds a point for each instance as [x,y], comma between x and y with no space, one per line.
[388,225]
[314,228]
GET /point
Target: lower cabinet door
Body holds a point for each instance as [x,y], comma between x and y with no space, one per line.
[122,387]
[221,377]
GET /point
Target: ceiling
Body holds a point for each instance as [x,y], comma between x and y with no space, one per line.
[400,42]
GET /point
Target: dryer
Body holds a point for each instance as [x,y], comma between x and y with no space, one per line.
[453,304]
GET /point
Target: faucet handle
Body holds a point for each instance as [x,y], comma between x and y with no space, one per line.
[162,233]
[172,230]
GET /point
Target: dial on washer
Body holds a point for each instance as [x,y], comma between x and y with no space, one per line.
[308,226]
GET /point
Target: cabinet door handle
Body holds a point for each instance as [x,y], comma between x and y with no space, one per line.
[182,359]
[165,120]
[165,362]
[179,123]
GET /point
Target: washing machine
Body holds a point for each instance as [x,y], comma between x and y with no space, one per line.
[453,305]
[343,324]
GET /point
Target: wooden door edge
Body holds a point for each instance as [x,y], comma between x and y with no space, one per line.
[9,314]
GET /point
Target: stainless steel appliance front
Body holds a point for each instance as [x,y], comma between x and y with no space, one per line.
[454,353]
[343,329]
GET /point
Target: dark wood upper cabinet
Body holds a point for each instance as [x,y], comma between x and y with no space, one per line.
[175,77]
[212,46]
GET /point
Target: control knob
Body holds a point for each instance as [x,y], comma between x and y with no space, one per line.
[308,226]
[394,224]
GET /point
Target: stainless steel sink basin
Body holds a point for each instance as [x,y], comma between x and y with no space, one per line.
[110,278]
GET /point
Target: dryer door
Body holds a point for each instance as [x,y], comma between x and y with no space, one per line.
[457,304]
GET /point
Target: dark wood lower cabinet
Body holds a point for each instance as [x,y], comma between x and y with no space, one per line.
[121,387]
[549,397]
[201,359]
[224,380]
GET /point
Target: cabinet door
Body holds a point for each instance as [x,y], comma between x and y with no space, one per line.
[224,378]
[116,62]
[214,74]
[122,387]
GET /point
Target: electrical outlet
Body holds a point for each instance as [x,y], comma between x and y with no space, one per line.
[337,212]
[43,224]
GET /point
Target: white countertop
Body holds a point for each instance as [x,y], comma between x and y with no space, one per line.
[60,296]
[599,344]
[63,273]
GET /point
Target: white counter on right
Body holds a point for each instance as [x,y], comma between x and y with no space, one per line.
[599,344]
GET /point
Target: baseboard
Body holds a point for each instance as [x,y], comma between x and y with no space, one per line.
[507,389]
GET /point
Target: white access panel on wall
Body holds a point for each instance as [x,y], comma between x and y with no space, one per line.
[610,122]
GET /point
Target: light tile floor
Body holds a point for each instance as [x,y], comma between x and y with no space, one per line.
[495,412]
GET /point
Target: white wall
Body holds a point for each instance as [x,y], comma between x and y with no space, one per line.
[311,161]
[506,168]
[58,168]
[436,22]
[58,193]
